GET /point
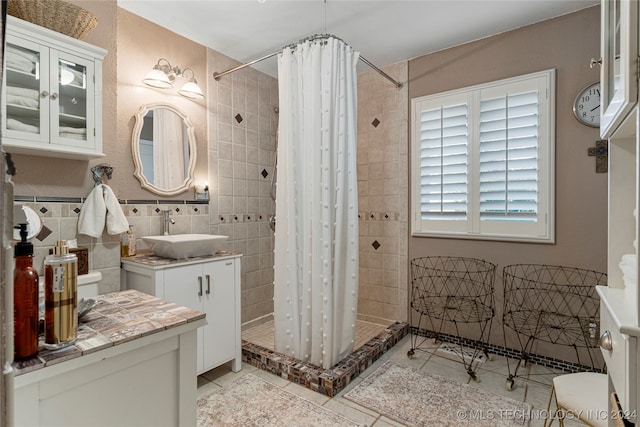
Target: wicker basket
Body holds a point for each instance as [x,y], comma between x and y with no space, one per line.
[57,15]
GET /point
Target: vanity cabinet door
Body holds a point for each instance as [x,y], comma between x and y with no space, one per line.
[26,93]
[72,100]
[220,305]
[184,286]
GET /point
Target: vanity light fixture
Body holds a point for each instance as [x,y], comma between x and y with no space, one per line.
[191,88]
[164,74]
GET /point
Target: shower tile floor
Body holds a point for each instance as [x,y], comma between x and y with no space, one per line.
[531,387]
[262,334]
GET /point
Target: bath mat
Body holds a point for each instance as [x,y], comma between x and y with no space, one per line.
[251,401]
[417,398]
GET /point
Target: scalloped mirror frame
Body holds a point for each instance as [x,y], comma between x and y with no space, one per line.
[135,150]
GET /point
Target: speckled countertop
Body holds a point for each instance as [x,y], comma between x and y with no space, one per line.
[148,258]
[117,318]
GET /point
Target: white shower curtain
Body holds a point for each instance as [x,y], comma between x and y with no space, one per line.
[316,239]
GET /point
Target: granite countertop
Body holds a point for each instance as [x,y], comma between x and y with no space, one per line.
[148,258]
[118,317]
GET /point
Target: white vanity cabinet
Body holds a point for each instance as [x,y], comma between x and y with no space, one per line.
[620,121]
[210,285]
[52,93]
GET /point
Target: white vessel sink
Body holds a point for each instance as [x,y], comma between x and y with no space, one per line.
[185,245]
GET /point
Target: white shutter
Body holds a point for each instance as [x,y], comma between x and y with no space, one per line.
[509,157]
[483,161]
[443,162]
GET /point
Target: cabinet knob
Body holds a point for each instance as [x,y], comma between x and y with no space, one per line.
[208,284]
[595,62]
[54,96]
[606,343]
[200,286]
[44,94]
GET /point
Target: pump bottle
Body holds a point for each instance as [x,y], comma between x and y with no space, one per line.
[25,299]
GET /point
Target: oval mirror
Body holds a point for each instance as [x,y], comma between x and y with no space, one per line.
[163,145]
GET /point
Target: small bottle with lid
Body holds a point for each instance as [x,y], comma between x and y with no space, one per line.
[131,241]
[25,299]
[61,297]
[124,245]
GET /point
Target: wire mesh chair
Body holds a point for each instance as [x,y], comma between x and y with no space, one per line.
[554,304]
[453,291]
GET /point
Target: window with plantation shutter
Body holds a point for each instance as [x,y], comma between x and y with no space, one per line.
[482,161]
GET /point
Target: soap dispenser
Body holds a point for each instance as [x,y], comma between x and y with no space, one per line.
[25,299]
[61,297]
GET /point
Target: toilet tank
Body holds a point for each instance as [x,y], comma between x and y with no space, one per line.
[88,284]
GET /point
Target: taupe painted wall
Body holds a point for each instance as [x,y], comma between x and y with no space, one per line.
[566,43]
[140,44]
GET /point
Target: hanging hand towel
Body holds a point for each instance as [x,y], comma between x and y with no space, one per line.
[93,213]
[101,204]
[116,220]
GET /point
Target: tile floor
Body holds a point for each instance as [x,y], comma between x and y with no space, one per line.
[532,384]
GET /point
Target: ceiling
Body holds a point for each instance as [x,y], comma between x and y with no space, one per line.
[384,32]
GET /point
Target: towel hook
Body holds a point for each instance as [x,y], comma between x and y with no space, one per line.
[101,173]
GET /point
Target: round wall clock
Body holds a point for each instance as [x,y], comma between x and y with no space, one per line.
[586,107]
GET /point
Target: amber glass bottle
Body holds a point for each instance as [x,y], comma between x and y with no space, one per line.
[25,300]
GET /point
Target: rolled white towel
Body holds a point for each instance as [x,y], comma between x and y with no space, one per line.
[23,91]
[22,101]
[19,64]
[23,53]
[69,129]
[14,124]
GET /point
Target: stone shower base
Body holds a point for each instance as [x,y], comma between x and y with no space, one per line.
[325,381]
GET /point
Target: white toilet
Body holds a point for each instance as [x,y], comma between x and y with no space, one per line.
[88,284]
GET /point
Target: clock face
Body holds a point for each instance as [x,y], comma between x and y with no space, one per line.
[586,107]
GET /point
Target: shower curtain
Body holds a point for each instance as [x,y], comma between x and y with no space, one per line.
[316,239]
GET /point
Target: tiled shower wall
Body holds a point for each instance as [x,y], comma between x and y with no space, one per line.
[243,122]
[383,193]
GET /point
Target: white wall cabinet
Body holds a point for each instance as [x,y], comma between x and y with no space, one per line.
[620,303]
[619,56]
[52,93]
[211,286]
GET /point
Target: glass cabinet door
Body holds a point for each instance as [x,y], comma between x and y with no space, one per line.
[71,100]
[619,50]
[26,91]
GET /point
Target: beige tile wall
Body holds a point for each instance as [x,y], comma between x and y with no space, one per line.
[383,194]
[60,222]
[242,146]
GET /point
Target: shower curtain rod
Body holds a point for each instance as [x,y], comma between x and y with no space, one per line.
[218,76]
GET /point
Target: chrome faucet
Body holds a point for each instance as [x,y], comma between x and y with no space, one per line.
[166,220]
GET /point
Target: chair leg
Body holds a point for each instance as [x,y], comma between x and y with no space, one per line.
[556,413]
